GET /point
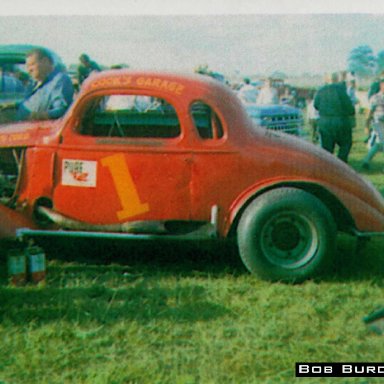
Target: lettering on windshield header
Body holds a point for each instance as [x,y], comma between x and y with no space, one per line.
[153,82]
[142,82]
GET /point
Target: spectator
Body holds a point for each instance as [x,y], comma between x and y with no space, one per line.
[351,92]
[287,97]
[375,86]
[52,91]
[268,94]
[248,92]
[132,102]
[335,111]
[342,78]
[313,119]
[86,67]
[376,114]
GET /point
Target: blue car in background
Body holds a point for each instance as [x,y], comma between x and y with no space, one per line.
[282,118]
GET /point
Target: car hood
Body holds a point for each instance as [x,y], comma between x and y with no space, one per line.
[26,134]
[256,110]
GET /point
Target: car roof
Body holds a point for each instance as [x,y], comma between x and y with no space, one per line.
[195,83]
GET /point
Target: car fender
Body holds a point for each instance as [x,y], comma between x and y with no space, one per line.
[11,221]
[349,212]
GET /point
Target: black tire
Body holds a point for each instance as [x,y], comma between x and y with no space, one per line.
[286,234]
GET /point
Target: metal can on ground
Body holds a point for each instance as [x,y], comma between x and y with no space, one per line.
[17,267]
[36,264]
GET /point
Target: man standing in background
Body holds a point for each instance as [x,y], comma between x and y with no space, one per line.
[335,110]
[86,67]
[268,94]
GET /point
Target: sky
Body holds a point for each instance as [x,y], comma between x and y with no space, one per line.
[232,37]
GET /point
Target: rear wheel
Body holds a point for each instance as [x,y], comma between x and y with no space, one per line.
[286,234]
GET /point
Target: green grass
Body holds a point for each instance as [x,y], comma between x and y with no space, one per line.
[178,313]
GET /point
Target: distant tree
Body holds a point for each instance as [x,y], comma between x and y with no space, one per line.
[380,62]
[362,61]
[202,69]
[279,75]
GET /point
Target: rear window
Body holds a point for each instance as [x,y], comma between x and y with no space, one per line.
[141,116]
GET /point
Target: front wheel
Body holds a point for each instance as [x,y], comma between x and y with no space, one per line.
[286,234]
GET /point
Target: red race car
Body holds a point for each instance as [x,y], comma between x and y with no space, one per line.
[146,155]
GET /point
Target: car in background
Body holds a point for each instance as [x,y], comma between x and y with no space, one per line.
[282,118]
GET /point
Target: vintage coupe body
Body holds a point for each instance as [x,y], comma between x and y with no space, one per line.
[147,155]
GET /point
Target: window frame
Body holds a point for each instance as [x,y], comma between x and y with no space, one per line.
[77,129]
[215,128]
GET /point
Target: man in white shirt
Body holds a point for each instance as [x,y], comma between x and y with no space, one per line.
[248,93]
[268,94]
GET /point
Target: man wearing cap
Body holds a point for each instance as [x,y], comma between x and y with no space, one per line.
[335,111]
[376,117]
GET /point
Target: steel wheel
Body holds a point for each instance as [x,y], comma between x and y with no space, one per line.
[286,234]
[289,240]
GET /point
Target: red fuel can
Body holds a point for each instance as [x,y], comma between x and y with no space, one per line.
[17,266]
[36,264]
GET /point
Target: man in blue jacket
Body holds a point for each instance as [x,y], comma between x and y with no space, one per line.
[48,97]
[52,92]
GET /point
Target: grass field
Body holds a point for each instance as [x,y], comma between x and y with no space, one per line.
[183,314]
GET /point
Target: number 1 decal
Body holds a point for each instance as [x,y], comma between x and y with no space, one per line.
[125,187]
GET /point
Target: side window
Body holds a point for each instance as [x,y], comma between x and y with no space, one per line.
[206,121]
[139,116]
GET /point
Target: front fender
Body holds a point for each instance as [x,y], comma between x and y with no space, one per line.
[11,220]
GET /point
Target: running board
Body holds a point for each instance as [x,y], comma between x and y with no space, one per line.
[205,232]
[366,234]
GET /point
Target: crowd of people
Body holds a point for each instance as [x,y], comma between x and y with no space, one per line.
[264,93]
[49,91]
[331,111]
[332,116]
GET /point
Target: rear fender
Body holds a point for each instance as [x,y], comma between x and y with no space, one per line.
[342,217]
[11,220]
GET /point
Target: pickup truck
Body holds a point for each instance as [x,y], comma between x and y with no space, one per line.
[147,155]
[283,118]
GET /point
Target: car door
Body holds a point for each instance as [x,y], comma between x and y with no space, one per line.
[123,160]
